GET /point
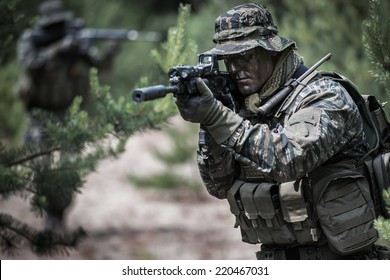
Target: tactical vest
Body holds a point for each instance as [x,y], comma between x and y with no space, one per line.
[375,165]
[333,204]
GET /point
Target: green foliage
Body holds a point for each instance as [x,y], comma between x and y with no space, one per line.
[383,225]
[178,49]
[8,18]
[183,143]
[51,171]
[11,127]
[164,180]
[133,60]
[72,149]
[320,27]
[181,153]
[40,242]
[376,39]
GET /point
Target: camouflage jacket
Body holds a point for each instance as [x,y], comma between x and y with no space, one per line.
[322,126]
[55,74]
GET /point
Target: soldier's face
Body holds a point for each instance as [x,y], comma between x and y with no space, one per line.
[250,70]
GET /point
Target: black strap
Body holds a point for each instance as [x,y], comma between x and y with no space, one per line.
[299,72]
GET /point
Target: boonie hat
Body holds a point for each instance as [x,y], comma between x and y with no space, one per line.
[245,27]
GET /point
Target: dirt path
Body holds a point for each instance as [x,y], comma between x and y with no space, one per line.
[126,222]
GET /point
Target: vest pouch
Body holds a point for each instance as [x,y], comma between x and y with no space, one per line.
[257,210]
[381,170]
[248,232]
[345,209]
[293,206]
[267,201]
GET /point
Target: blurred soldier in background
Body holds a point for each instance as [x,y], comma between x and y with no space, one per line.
[56,64]
[56,68]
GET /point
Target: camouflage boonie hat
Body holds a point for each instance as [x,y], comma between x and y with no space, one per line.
[52,12]
[246,27]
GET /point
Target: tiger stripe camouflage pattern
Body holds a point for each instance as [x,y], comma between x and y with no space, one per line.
[246,27]
[324,126]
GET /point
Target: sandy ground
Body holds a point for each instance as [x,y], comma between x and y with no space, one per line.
[127,222]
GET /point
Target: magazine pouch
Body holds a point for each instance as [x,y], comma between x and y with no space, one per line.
[248,232]
[270,213]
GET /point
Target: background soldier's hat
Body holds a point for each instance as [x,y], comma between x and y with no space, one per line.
[246,27]
[52,12]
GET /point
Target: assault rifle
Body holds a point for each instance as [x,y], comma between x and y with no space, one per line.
[85,36]
[182,82]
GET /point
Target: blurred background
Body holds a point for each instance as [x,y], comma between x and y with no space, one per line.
[149,202]
[318,27]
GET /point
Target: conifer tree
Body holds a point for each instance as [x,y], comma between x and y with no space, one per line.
[376,39]
[51,171]
[11,129]
[178,50]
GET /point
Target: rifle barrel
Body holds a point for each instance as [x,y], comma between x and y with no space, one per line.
[153,92]
[119,34]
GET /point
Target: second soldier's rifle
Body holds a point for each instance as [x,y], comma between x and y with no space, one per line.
[85,36]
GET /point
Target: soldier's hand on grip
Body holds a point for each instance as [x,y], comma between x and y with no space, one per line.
[68,43]
[197,108]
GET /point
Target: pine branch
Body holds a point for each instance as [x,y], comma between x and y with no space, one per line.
[69,149]
[14,234]
[34,156]
[376,39]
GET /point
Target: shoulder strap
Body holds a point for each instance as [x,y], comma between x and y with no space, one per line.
[291,97]
[369,126]
[381,121]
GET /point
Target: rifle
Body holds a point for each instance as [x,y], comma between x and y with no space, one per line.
[85,36]
[117,34]
[182,82]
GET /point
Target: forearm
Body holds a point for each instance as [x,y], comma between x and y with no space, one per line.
[320,129]
[218,173]
[275,155]
[32,58]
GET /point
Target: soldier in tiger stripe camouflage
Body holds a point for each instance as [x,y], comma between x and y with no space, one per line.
[290,176]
